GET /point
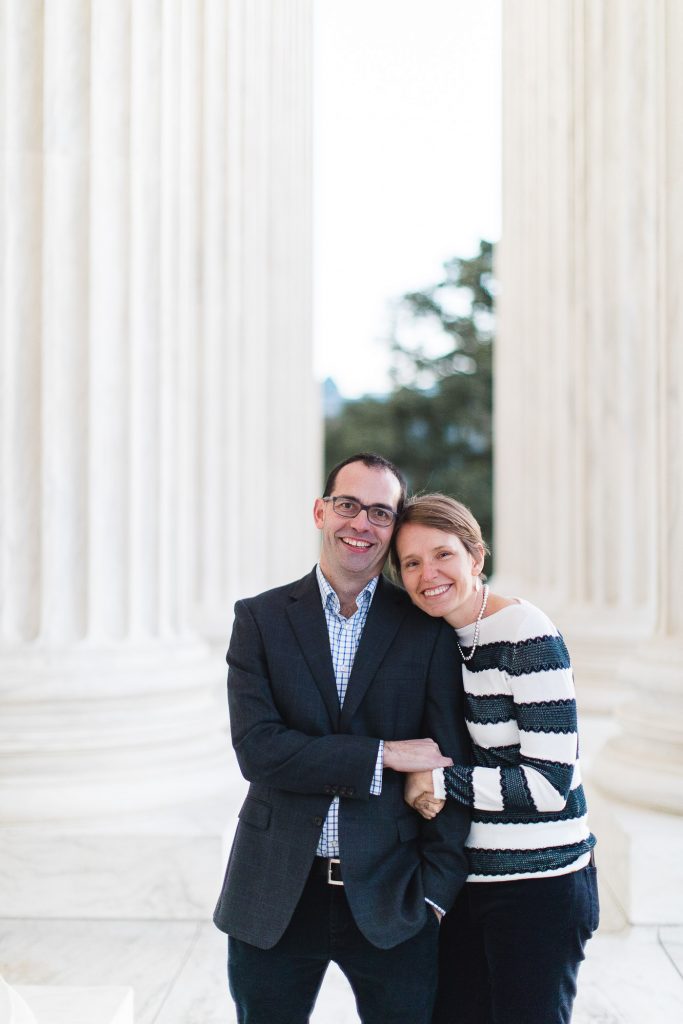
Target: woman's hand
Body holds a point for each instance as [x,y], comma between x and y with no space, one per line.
[419,794]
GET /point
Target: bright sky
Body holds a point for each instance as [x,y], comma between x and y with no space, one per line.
[407,163]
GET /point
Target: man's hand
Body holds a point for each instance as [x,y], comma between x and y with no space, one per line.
[414,756]
[419,794]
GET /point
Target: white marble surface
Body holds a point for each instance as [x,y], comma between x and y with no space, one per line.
[168,864]
[628,978]
[67,1005]
[639,853]
[178,971]
[147,956]
[672,942]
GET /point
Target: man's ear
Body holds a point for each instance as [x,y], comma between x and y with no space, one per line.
[319,513]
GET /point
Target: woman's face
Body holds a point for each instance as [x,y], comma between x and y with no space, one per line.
[439,573]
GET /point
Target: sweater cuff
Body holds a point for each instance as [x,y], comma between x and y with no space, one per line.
[438,783]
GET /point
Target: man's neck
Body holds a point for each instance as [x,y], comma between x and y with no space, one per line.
[347,589]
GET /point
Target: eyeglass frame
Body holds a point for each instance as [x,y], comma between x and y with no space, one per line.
[362,508]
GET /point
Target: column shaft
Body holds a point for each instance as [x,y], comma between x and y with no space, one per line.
[108,412]
[21,179]
[65,363]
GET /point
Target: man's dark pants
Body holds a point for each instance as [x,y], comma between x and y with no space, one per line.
[280,985]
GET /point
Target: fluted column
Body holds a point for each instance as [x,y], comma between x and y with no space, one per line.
[644,764]
[108,701]
[589,376]
[258,456]
[576,371]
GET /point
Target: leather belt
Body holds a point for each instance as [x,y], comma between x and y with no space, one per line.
[331,868]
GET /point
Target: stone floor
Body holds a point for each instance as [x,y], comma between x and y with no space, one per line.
[176,969]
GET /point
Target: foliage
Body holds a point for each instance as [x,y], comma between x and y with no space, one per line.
[436,423]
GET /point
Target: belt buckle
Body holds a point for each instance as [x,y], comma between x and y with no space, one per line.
[330,879]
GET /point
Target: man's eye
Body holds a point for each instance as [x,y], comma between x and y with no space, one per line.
[381,513]
[346,505]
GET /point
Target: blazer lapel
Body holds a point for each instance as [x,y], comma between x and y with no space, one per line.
[387,611]
[307,617]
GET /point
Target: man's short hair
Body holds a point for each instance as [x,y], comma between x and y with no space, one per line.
[373,461]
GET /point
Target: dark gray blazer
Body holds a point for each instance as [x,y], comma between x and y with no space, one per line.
[298,750]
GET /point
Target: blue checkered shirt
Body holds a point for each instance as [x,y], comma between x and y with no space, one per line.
[344,636]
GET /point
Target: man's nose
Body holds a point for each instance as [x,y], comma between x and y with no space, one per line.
[361,521]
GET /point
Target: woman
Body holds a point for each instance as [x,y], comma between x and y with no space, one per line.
[511,947]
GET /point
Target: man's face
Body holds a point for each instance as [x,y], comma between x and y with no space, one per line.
[355,548]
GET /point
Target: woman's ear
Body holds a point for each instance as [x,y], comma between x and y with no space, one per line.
[478,559]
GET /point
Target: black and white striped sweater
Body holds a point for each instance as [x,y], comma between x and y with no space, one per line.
[528,806]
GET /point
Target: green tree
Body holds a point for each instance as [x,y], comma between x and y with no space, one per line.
[436,422]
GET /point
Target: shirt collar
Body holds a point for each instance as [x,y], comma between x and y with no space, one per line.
[329,595]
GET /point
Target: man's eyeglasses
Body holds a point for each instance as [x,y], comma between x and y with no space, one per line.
[349,508]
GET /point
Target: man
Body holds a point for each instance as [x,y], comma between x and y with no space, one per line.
[331,679]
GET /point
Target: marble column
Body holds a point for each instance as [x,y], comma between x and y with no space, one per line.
[108,700]
[588,374]
[156,397]
[258,457]
[575,478]
[645,763]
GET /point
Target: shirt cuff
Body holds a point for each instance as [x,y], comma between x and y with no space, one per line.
[435,905]
[376,784]
[438,783]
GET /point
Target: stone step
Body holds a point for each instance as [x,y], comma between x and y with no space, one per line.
[168,865]
[55,1004]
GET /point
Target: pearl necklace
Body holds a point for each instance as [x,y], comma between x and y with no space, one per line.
[475,641]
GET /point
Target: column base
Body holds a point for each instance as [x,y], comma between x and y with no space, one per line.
[162,865]
[97,731]
[639,859]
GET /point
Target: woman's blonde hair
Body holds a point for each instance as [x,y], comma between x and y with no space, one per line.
[440,512]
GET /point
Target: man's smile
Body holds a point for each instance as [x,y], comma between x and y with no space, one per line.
[354,543]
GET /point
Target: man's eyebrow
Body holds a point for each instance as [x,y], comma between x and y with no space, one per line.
[373,504]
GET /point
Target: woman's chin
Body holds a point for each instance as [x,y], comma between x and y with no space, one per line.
[429,609]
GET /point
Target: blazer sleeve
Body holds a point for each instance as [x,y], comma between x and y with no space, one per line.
[269,751]
[443,838]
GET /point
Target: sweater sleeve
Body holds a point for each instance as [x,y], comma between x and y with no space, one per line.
[528,734]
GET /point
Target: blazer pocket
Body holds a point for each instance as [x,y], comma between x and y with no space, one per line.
[255,813]
[408,827]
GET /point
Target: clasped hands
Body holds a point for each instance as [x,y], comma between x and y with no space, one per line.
[417,758]
[419,794]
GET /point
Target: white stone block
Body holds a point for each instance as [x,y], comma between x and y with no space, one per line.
[639,859]
[51,1004]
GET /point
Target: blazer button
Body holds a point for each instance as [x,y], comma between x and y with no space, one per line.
[317,821]
[327,789]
